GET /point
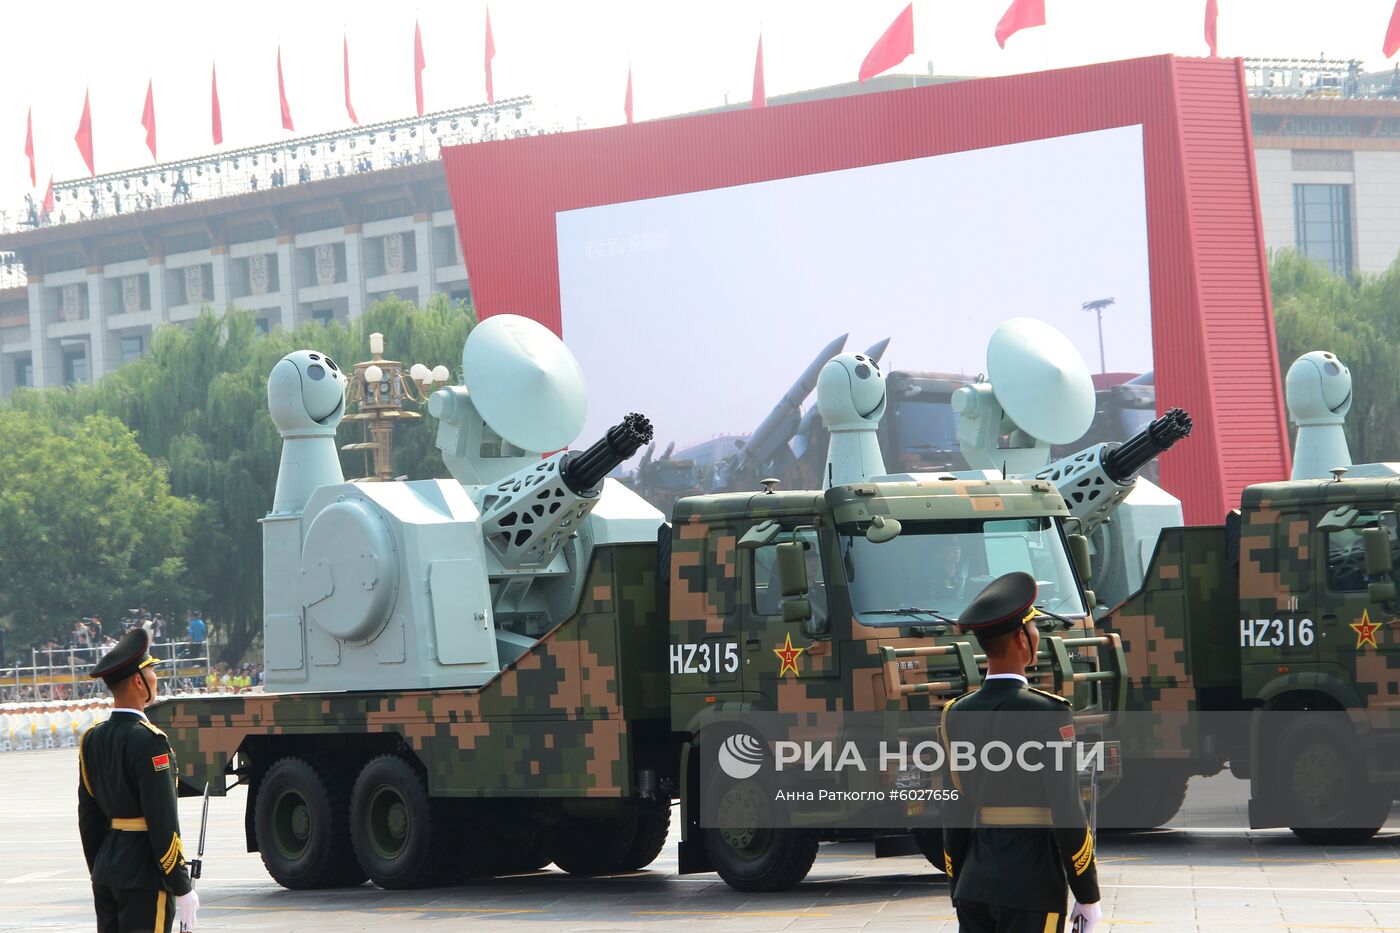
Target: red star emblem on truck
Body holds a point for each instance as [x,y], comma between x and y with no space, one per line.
[1365,631]
[787,654]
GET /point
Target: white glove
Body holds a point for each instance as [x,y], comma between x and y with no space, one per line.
[187,906]
[1084,917]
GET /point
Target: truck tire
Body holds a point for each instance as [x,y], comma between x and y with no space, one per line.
[1142,801]
[400,835]
[519,854]
[594,846]
[652,825]
[1319,761]
[750,857]
[301,819]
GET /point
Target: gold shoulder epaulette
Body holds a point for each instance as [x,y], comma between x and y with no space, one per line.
[1053,696]
[157,730]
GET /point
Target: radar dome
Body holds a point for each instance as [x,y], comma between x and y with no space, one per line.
[1040,380]
[306,392]
[524,382]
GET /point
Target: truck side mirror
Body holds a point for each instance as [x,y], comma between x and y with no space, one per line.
[1379,564]
[1079,553]
[798,609]
[1083,567]
[1377,544]
[883,529]
[792,570]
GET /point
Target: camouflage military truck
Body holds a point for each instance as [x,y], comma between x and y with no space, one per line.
[484,674]
[1285,609]
[573,753]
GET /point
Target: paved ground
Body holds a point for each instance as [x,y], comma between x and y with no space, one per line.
[1205,875]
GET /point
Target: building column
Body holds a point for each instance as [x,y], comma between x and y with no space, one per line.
[155,275]
[218,259]
[424,263]
[48,370]
[287,279]
[354,272]
[97,330]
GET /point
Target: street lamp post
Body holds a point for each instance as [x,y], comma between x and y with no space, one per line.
[1097,306]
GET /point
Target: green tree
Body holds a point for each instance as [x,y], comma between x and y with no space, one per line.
[87,525]
[1357,318]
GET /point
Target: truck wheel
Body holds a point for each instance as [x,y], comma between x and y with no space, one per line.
[750,856]
[1143,801]
[519,854]
[653,823]
[301,821]
[1321,777]
[596,846]
[400,834]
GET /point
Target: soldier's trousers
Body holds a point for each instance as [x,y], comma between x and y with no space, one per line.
[133,910]
[989,918]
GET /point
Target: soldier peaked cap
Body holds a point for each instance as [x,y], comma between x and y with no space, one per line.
[1001,607]
[130,654]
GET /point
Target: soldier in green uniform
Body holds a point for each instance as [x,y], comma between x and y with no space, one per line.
[1010,845]
[127,814]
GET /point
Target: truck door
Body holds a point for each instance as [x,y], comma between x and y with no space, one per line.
[705,654]
[789,665]
[1279,596]
[1352,629]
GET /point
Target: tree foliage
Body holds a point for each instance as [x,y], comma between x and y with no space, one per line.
[88,524]
[198,404]
[1357,318]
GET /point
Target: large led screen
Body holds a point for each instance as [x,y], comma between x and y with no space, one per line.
[703,310]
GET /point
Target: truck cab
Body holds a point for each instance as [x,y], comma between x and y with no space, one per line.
[845,601]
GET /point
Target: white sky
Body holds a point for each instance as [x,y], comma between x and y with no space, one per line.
[571,54]
[896,250]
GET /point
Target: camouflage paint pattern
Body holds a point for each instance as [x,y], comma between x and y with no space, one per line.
[561,721]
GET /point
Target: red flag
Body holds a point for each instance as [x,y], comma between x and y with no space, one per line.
[282,95]
[627,101]
[29,146]
[48,198]
[760,94]
[1022,14]
[490,54]
[1212,11]
[148,119]
[893,47]
[216,118]
[1392,32]
[349,107]
[84,135]
[418,66]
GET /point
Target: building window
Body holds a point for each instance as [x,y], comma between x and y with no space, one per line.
[262,326]
[24,370]
[1322,224]
[323,316]
[75,366]
[133,347]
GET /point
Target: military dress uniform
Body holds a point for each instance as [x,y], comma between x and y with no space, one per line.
[1012,845]
[127,813]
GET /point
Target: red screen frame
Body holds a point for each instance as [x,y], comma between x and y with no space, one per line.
[1212,325]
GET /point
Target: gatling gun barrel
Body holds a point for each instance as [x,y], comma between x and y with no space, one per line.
[1154,440]
[582,472]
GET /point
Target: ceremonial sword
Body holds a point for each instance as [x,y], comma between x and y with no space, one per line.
[197,863]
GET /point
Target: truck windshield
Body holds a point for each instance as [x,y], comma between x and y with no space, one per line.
[935,568]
